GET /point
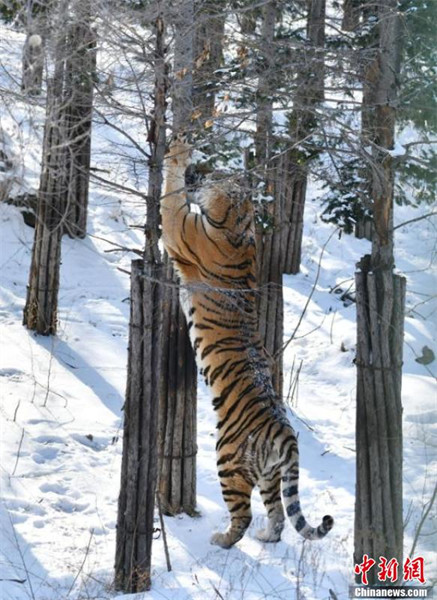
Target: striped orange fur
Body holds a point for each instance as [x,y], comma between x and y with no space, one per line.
[214,253]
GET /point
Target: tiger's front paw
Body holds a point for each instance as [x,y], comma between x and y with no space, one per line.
[221,539]
[180,151]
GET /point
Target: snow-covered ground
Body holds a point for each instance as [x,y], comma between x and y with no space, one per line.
[61,416]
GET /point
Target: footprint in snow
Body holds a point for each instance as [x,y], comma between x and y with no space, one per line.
[43,455]
[55,488]
[20,509]
[48,449]
[50,439]
[39,524]
[65,505]
[13,374]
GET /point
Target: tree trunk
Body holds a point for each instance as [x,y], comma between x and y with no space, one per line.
[270,295]
[140,450]
[310,91]
[293,192]
[351,15]
[316,39]
[140,462]
[33,63]
[210,27]
[182,86]
[36,18]
[380,327]
[368,71]
[369,61]
[364,229]
[178,410]
[264,110]
[78,99]
[270,215]
[40,311]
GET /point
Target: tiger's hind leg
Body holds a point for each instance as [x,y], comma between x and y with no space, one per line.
[236,494]
[270,489]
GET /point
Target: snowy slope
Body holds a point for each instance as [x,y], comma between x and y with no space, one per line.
[61,416]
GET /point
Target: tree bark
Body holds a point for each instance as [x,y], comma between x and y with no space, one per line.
[78,101]
[364,229]
[369,61]
[182,86]
[140,451]
[380,326]
[208,53]
[270,292]
[316,39]
[264,111]
[293,191]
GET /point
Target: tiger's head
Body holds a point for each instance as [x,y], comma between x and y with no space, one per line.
[225,201]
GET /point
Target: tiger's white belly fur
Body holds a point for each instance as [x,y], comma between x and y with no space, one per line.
[185,298]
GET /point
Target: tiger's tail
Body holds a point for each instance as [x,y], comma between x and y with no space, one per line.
[289,457]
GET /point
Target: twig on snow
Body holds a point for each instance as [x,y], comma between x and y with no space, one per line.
[425,514]
[164,534]
[18,453]
[83,563]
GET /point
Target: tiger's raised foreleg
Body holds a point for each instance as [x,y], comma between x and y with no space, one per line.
[270,490]
[174,204]
[184,233]
[236,494]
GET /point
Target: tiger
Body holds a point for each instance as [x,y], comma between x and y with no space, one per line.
[214,254]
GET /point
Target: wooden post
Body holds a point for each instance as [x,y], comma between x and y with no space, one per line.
[140,450]
[178,409]
[380,298]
